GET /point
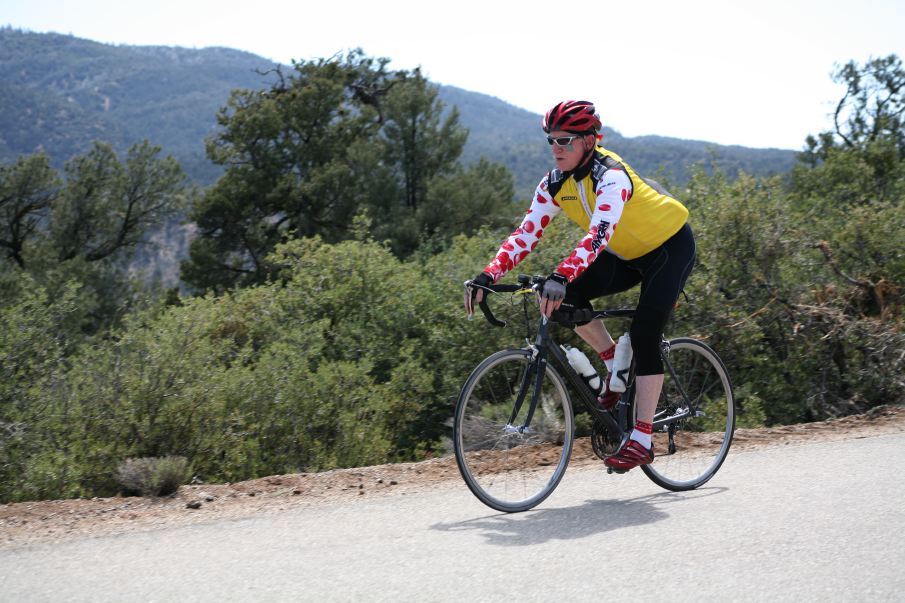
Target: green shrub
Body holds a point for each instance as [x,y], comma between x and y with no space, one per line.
[354,357]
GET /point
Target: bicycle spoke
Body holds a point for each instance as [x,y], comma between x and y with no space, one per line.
[507,467]
[698,384]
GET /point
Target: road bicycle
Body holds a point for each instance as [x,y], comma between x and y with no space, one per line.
[514,425]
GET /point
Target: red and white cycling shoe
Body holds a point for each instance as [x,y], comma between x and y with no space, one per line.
[630,456]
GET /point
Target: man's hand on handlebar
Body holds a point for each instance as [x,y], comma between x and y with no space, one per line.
[552,294]
[474,294]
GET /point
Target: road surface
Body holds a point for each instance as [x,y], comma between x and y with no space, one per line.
[804,522]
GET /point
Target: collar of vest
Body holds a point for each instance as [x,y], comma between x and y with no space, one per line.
[584,168]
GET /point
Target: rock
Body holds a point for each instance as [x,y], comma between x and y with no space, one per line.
[195,504]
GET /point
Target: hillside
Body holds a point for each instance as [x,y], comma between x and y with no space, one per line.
[58,93]
[513,137]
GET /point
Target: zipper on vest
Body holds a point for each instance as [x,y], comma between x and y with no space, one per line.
[584,200]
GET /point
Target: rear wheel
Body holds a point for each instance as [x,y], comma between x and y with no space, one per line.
[509,467]
[688,452]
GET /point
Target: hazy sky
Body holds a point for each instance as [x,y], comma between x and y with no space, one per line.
[755,73]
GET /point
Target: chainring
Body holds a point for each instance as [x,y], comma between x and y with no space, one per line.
[603,443]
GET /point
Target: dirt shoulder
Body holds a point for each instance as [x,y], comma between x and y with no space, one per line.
[49,521]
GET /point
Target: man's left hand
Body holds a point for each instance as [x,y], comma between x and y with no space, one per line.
[552,294]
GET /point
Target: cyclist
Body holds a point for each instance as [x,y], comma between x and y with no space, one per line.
[635,232]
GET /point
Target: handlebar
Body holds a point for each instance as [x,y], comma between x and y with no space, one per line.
[525,284]
[528,283]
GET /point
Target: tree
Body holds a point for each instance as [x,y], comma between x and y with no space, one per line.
[435,198]
[846,201]
[335,138]
[870,112]
[874,103]
[104,207]
[85,229]
[415,143]
[288,167]
[27,190]
[108,206]
[849,187]
[38,332]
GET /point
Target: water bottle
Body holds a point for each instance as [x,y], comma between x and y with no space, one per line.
[584,368]
[621,363]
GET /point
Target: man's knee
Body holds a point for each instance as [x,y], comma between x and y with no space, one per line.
[646,337]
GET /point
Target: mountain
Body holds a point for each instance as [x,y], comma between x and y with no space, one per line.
[59,93]
[513,137]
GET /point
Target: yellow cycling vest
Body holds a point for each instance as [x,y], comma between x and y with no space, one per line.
[649,218]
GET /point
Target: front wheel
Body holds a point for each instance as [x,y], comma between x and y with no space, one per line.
[508,465]
[690,450]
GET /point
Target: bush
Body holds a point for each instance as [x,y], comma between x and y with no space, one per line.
[353,357]
[153,476]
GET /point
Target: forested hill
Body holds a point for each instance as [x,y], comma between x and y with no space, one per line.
[58,93]
[513,137]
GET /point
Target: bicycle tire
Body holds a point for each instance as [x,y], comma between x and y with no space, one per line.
[701,442]
[507,470]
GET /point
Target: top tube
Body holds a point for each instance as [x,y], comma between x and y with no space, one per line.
[576,315]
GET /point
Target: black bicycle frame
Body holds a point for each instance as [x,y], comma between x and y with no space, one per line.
[537,367]
[544,345]
[664,354]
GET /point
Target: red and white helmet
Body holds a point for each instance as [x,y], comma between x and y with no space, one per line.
[578,117]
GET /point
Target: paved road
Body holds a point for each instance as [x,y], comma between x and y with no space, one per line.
[806,522]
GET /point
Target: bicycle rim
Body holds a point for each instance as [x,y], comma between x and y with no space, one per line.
[507,469]
[700,442]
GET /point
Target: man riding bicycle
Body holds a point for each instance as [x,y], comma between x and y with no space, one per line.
[636,232]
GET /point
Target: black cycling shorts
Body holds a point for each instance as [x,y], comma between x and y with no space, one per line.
[661,273]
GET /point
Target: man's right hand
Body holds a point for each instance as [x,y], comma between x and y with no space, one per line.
[474,295]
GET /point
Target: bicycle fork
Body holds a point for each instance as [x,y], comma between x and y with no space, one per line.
[537,368]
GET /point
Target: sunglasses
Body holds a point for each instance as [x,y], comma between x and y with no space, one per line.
[563,141]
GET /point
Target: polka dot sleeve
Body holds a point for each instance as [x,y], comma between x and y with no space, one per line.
[525,238]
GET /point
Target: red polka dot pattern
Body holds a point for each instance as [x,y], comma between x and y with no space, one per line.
[610,200]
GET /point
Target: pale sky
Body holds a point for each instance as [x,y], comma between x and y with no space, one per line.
[755,74]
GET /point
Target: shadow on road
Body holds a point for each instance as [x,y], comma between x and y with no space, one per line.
[566,523]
